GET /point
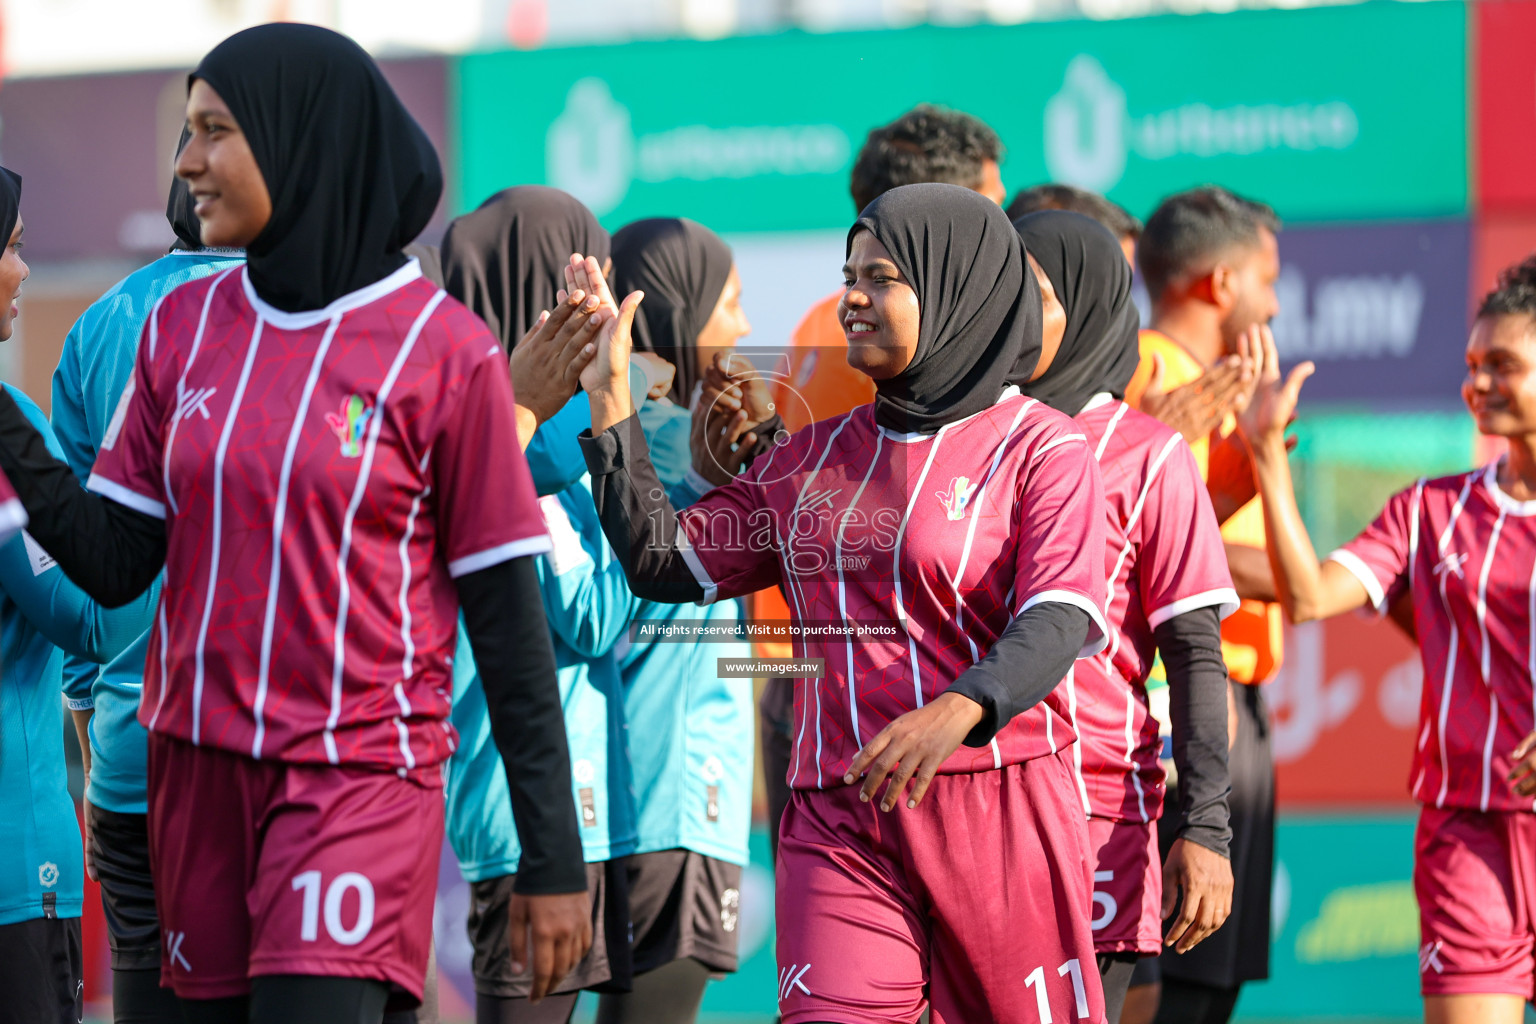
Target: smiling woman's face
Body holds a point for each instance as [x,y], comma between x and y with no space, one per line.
[232,202]
[1500,385]
[879,311]
[13,271]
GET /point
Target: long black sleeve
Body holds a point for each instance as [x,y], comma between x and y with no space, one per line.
[1025,664]
[504,616]
[1197,689]
[638,520]
[110,551]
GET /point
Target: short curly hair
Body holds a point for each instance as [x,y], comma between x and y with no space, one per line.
[926,144]
[1075,200]
[1515,292]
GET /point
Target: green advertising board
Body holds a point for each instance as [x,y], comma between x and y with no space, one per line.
[1332,113]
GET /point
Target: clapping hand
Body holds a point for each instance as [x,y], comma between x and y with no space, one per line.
[548,361]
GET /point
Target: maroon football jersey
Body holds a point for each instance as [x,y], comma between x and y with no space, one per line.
[931,544]
[1466,551]
[323,476]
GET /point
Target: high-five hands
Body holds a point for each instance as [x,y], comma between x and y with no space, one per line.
[547,362]
[609,368]
[1273,406]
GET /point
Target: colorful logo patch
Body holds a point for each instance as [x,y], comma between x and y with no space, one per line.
[957,497]
[350,423]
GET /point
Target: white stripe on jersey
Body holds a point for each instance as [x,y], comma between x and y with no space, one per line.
[375,425]
[1130,525]
[1455,640]
[407,643]
[1531,648]
[279,519]
[218,518]
[1486,662]
[1413,557]
[788,574]
[805,711]
[164,643]
[1413,530]
[797,601]
[901,532]
[1077,745]
[1109,431]
[842,589]
[971,513]
[181,382]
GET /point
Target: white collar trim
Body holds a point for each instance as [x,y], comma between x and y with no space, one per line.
[1011,391]
[305,318]
[1102,398]
[1502,500]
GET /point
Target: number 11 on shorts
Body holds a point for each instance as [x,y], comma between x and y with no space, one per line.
[308,883]
[1036,981]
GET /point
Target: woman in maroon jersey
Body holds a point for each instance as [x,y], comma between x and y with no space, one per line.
[321,450]
[943,546]
[1463,548]
[1168,587]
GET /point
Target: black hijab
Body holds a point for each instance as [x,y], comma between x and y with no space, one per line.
[179,207]
[1099,349]
[507,259]
[352,176]
[10,203]
[979,304]
[682,267]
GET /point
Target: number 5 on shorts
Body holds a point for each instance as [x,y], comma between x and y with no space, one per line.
[309,926]
[1104,901]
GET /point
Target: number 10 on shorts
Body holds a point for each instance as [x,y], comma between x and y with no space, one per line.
[1036,981]
[309,884]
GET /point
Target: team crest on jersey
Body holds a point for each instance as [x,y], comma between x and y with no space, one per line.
[956,498]
[350,423]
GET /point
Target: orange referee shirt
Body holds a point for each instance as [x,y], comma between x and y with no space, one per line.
[1250,637]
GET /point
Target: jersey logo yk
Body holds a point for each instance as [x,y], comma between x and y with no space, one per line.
[349,424]
[956,498]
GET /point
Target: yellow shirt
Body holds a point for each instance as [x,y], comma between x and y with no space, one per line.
[1251,637]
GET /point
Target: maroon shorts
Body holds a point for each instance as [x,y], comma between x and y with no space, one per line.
[1127,887]
[262,867]
[976,903]
[1474,873]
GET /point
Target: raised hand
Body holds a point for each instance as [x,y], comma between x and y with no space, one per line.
[585,273]
[659,373]
[1199,407]
[547,363]
[733,383]
[719,440]
[1274,400]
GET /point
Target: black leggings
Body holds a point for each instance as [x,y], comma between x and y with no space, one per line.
[137,998]
[1188,1002]
[518,1010]
[1115,971]
[671,994]
[295,999]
